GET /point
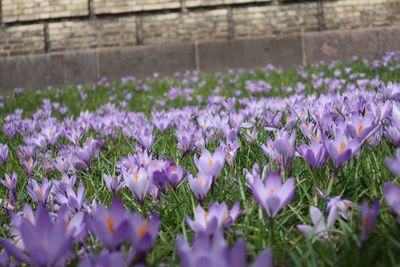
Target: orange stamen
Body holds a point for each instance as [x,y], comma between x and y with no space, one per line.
[110,225]
[143,230]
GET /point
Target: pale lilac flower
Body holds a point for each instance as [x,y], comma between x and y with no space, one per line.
[113,182]
[394,164]
[271,194]
[39,193]
[138,181]
[392,196]
[368,218]
[3,153]
[217,217]
[320,228]
[200,185]
[210,164]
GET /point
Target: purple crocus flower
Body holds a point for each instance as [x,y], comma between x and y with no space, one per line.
[210,164]
[111,226]
[215,218]
[343,206]
[315,154]
[143,234]
[10,182]
[368,218]
[319,228]
[113,183]
[361,126]
[39,193]
[185,137]
[62,164]
[392,196]
[394,164]
[200,185]
[47,243]
[83,157]
[230,148]
[342,148]
[3,153]
[174,173]
[105,259]
[145,137]
[29,165]
[212,251]
[138,182]
[255,174]
[282,150]
[271,194]
[65,181]
[68,197]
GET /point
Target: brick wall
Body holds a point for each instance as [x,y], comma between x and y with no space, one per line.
[41,26]
[188,26]
[76,35]
[30,10]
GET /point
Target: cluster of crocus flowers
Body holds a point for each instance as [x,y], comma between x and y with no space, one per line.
[46,239]
[209,167]
[216,217]
[63,157]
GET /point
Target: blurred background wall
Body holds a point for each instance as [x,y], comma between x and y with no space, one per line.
[41,26]
[52,42]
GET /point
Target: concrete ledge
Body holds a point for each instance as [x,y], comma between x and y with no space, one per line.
[143,61]
[77,67]
[342,45]
[285,51]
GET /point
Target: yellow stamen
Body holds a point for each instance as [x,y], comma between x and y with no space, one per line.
[210,162]
[206,217]
[172,169]
[226,217]
[200,181]
[136,177]
[360,129]
[342,147]
[30,163]
[41,191]
[271,192]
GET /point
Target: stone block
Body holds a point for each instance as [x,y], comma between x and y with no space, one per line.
[142,61]
[284,51]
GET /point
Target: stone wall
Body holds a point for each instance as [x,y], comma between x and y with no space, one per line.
[44,26]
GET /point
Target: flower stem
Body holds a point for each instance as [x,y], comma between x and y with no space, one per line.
[271,231]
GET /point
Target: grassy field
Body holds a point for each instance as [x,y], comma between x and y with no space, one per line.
[327,97]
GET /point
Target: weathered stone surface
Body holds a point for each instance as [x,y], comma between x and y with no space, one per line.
[31,72]
[122,6]
[190,26]
[30,10]
[197,3]
[250,52]
[40,71]
[74,67]
[274,19]
[144,60]
[22,39]
[342,45]
[73,35]
[389,37]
